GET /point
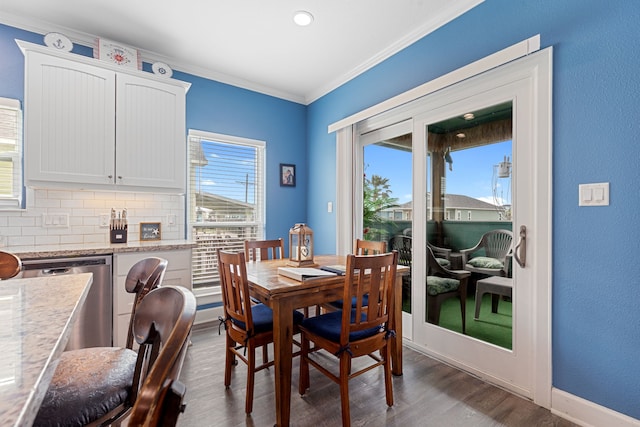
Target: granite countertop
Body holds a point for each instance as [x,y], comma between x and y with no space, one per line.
[53,251]
[37,316]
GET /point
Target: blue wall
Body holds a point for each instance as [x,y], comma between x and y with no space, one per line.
[596,105]
[219,108]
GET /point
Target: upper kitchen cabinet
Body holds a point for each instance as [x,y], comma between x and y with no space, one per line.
[93,125]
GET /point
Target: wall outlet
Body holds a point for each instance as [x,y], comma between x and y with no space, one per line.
[55,220]
[171,219]
[104,220]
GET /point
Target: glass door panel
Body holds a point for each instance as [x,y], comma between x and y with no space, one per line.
[387,198]
[469,194]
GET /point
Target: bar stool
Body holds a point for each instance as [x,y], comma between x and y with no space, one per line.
[10,265]
[100,384]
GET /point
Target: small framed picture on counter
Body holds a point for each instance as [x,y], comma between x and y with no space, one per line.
[150,231]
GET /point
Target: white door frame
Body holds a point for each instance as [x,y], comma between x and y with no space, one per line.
[538,69]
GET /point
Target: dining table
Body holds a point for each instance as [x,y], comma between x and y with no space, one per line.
[284,295]
[37,315]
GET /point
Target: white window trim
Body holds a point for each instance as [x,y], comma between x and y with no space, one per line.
[15,202]
[211,294]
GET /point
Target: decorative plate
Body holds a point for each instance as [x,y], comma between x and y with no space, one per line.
[58,41]
[161,69]
[117,53]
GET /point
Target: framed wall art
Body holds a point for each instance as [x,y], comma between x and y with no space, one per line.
[150,231]
[287,175]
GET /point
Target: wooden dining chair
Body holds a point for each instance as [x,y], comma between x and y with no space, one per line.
[369,247]
[257,250]
[90,382]
[361,247]
[349,334]
[248,326]
[10,265]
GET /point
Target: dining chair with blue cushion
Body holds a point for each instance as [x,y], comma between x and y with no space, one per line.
[360,331]
[248,326]
[262,250]
[361,247]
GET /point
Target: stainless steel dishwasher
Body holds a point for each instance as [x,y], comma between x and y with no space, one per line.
[94,325]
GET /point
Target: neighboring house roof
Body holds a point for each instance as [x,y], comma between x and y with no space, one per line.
[452,201]
[217,202]
[458,201]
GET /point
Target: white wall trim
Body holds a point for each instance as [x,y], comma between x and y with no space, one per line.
[586,413]
[508,54]
[344,195]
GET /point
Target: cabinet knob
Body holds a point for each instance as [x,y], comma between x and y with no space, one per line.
[110,176]
[119,177]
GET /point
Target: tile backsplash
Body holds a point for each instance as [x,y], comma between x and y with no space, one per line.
[83,208]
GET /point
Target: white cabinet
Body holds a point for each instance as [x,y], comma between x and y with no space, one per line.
[88,125]
[178,273]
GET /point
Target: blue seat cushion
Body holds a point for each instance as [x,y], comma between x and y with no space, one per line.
[338,304]
[440,285]
[329,326]
[87,384]
[263,318]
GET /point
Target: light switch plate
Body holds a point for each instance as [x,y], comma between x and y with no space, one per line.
[596,194]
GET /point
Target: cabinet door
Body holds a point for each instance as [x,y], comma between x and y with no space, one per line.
[150,133]
[178,273]
[69,121]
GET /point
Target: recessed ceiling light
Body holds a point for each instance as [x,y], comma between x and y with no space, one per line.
[302,18]
[461,135]
[469,116]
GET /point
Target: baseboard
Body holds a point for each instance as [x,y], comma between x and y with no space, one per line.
[208,315]
[587,413]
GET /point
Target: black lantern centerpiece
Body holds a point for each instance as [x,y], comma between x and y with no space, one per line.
[301,246]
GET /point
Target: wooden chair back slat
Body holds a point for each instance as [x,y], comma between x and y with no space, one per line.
[260,250]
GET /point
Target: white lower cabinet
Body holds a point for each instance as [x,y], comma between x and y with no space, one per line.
[178,273]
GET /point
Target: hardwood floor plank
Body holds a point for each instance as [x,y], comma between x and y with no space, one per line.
[428,394]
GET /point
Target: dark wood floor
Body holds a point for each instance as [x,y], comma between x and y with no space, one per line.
[428,394]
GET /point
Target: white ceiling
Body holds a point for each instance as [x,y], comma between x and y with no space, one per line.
[248,43]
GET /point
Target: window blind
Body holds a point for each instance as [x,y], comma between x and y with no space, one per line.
[10,153]
[226,198]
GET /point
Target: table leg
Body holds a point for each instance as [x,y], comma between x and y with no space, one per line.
[282,344]
[396,342]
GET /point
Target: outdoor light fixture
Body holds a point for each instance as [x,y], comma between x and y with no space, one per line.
[302,18]
[301,246]
[469,116]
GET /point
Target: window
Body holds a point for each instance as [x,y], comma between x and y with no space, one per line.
[10,154]
[226,198]
[469,215]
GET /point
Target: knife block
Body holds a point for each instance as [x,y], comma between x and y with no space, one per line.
[119,235]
